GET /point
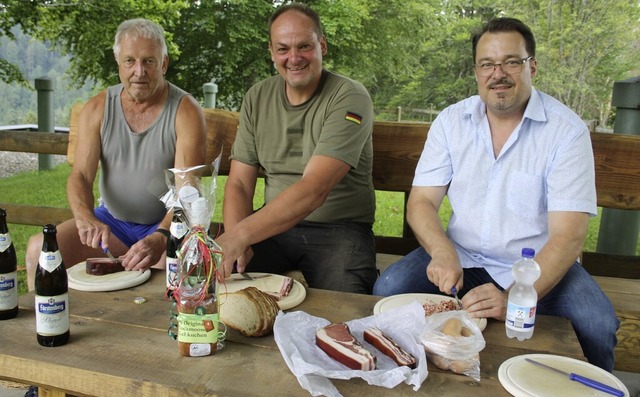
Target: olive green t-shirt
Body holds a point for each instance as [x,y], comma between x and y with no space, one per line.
[337,122]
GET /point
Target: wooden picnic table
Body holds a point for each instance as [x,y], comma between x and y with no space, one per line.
[120,348]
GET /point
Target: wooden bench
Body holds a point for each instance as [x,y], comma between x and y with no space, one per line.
[397,147]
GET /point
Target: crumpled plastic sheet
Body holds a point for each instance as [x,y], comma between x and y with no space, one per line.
[295,335]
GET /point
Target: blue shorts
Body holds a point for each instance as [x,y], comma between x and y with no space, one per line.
[127,232]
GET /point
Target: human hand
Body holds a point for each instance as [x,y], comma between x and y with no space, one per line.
[92,232]
[486,301]
[235,253]
[243,260]
[445,272]
[145,253]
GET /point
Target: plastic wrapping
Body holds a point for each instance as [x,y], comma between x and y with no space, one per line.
[453,341]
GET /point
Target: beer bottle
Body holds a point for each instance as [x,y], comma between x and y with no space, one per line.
[8,272]
[178,230]
[52,297]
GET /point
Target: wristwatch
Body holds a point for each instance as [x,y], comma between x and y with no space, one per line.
[164,232]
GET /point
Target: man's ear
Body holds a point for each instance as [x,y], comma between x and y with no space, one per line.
[323,45]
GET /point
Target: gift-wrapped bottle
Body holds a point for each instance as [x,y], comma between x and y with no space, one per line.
[197,296]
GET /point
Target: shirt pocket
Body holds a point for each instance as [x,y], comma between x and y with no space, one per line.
[525,194]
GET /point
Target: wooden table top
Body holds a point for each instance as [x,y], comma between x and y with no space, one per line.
[120,348]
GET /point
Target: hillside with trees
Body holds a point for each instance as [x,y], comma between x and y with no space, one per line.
[410,53]
[36,59]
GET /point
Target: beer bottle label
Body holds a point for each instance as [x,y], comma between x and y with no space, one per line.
[52,314]
[8,295]
[178,229]
[5,242]
[50,260]
[172,273]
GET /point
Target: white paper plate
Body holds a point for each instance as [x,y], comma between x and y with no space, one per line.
[523,379]
[267,283]
[81,281]
[393,301]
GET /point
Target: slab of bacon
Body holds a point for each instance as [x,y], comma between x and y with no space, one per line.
[285,289]
[389,347]
[337,341]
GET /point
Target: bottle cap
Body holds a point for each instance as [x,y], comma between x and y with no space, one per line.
[528,253]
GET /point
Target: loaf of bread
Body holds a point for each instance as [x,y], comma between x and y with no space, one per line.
[337,341]
[389,347]
[102,266]
[249,311]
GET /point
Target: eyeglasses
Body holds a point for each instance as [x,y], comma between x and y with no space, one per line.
[510,67]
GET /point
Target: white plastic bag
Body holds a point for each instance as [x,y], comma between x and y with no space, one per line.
[456,351]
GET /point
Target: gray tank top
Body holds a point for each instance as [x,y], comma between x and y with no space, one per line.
[132,164]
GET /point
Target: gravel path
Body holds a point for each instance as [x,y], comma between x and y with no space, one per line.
[12,163]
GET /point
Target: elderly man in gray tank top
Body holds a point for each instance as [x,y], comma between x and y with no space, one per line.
[134,130]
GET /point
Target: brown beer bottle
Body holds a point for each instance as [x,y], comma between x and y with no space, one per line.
[8,272]
[52,297]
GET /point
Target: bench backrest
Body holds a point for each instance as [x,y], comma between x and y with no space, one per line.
[397,147]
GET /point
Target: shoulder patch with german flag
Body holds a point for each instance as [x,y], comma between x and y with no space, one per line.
[353,117]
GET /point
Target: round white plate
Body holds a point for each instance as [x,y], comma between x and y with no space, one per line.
[81,281]
[523,379]
[393,301]
[267,283]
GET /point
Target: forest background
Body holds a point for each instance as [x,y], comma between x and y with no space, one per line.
[409,53]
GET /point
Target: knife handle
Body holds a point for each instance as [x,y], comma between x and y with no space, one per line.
[596,385]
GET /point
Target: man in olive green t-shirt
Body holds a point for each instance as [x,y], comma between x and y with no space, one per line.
[309,130]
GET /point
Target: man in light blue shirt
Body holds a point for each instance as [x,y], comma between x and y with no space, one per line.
[517,168]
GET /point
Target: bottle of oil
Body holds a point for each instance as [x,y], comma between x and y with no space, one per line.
[52,293]
[8,272]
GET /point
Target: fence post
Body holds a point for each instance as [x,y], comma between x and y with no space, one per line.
[45,86]
[210,90]
[399,113]
[619,229]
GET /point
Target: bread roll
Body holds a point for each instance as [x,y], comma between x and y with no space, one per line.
[452,327]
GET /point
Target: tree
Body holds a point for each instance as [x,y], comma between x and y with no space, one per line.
[414,53]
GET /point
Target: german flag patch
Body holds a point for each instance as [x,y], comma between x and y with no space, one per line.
[353,117]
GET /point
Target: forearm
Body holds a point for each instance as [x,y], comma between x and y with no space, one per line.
[288,209]
[80,197]
[567,232]
[422,216]
[555,259]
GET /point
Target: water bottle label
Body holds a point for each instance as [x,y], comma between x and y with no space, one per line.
[172,273]
[8,291]
[5,242]
[520,318]
[49,261]
[52,314]
[178,229]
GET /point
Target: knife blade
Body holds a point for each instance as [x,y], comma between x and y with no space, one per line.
[109,254]
[246,276]
[454,292]
[580,379]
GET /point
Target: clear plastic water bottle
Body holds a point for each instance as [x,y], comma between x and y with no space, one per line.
[523,298]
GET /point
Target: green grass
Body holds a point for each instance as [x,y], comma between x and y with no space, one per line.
[47,188]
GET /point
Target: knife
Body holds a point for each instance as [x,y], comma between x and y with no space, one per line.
[581,379]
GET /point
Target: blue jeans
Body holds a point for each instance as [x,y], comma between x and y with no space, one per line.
[334,256]
[577,297]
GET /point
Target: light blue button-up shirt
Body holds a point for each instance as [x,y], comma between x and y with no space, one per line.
[500,205]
